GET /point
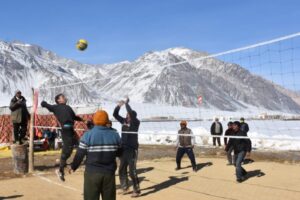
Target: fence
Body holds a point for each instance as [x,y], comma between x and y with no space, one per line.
[6,128]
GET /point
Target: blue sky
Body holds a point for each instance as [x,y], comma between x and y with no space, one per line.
[125,29]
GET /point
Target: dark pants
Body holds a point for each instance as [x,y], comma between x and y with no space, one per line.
[230,158]
[129,159]
[240,171]
[69,141]
[218,140]
[20,130]
[225,141]
[96,184]
[185,150]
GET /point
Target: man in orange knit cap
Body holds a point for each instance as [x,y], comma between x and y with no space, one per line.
[100,146]
[185,145]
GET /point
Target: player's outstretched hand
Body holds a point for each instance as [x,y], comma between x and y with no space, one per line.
[121,103]
[43,103]
[127,100]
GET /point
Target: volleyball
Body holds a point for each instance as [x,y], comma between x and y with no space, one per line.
[81,44]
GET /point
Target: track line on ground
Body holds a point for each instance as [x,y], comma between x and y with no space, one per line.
[56,183]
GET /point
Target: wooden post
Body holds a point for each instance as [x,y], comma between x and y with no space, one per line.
[20,158]
[31,134]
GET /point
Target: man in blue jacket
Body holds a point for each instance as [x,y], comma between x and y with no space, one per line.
[100,146]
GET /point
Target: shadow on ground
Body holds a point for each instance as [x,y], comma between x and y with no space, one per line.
[45,168]
[202,165]
[255,173]
[173,180]
[199,166]
[144,170]
[11,197]
[141,179]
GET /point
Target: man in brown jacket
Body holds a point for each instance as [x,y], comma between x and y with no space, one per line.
[19,116]
[185,145]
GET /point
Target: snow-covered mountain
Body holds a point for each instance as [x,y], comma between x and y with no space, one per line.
[151,78]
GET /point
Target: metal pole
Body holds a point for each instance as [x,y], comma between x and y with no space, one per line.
[31,149]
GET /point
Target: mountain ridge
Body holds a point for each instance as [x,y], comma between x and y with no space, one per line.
[152,78]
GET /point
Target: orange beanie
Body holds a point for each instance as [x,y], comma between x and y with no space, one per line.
[183,122]
[100,118]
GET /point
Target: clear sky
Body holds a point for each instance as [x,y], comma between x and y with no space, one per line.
[125,29]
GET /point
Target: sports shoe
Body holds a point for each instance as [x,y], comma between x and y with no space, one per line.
[194,169]
[178,168]
[136,194]
[240,180]
[60,175]
[123,191]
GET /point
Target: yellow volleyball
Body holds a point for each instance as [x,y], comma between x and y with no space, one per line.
[81,44]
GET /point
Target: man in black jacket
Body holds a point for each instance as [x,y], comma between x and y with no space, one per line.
[19,116]
[66,117]
[244,126]
[216,129]
[229,132]
[240,147]
[130,145]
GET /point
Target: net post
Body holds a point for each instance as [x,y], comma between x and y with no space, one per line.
[31,136]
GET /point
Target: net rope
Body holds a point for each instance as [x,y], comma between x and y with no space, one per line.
[276,60]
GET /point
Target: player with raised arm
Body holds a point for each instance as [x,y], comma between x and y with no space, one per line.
[130,145]
[66,117]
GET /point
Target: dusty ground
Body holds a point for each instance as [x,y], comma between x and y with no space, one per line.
[270,177]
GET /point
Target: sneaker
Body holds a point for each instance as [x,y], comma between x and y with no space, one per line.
[240,180]
[136,194]
[60,175]
[123,191]
[195,169]
[178,168]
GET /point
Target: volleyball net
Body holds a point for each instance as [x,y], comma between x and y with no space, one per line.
[259,82]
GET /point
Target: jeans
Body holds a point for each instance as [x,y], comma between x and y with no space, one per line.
[230,158]
[129,159]
[20,130]
[218,140]
[69,140]
[239,158]
[96,184]
[185,150]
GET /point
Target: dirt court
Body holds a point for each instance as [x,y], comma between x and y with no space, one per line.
[213,181]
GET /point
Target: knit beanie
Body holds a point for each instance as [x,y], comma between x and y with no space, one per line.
[100,118]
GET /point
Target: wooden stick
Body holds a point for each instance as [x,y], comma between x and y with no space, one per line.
[31,137]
